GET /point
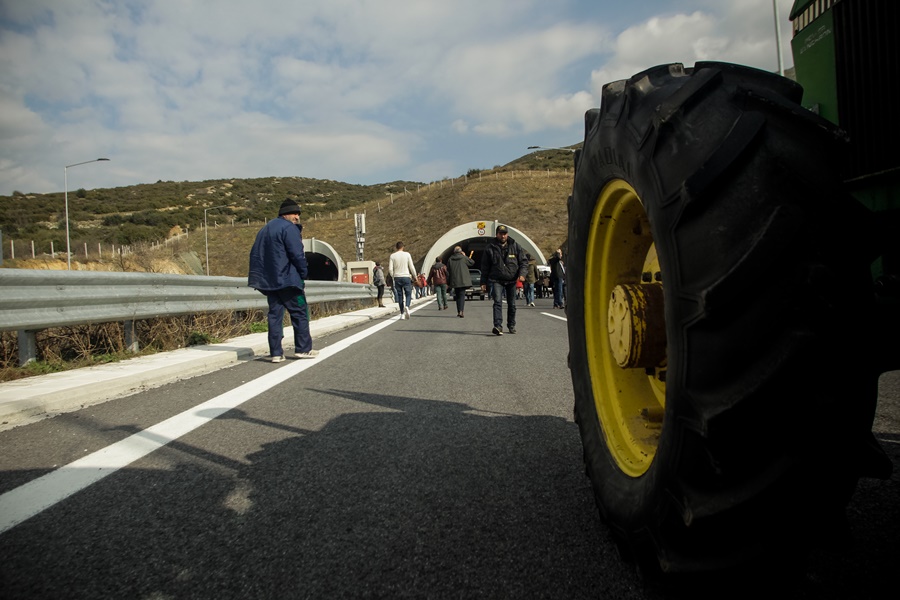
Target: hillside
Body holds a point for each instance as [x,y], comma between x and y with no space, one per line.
[528,194]
[534,203]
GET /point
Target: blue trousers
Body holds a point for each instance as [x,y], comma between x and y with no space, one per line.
[403,290]
[558,294]
[529,293]
[289,300]
[497,289]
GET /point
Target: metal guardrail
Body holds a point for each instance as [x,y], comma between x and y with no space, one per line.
[32,300]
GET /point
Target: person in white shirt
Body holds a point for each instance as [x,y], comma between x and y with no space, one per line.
[402,271]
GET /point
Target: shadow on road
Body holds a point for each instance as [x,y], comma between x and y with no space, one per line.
[418,499]
[405,498]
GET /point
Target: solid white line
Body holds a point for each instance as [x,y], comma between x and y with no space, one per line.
[555,316]
[29,499]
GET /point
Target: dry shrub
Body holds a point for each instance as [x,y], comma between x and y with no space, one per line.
[9,348]
[79,342]
[190,330]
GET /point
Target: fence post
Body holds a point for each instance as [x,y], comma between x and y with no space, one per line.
[27,347]
[131,341]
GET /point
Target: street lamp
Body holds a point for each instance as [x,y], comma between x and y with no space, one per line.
[542,148]
[206,233]
[66,174]
[778,38]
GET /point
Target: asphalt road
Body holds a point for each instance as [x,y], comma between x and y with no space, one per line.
[428,459]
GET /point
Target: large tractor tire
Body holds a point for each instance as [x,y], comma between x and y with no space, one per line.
[718,301]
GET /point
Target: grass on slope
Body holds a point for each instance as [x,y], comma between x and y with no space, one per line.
[533,202]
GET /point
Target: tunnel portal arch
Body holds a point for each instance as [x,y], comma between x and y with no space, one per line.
[474,237]
[324,263]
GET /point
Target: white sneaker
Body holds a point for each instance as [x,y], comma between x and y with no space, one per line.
[277,359]
[405,312]
[310,354]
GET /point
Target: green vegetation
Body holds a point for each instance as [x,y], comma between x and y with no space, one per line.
[148,212]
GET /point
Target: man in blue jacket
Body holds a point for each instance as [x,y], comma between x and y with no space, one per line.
[278,270]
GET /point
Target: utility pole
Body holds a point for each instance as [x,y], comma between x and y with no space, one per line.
[778,38]
[360,234]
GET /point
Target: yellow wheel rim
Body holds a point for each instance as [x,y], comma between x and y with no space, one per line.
[625,327]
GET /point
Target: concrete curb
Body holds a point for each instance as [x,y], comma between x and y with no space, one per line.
[34,398]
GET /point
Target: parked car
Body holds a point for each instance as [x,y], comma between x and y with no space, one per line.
[475,290]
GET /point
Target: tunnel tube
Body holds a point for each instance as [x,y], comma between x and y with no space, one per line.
[323,261]
[473,238]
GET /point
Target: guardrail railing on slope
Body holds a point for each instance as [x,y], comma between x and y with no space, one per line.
[32,300]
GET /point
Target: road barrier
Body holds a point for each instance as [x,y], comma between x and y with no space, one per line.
[32,300]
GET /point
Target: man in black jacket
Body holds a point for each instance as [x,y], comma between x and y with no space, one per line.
[502,264]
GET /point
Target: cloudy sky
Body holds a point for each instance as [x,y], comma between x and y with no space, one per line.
[361,91]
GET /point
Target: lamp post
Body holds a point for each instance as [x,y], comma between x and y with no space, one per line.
[206,232]
[778,38]
[66,175]
[543,148]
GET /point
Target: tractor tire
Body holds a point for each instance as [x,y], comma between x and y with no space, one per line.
[719,305]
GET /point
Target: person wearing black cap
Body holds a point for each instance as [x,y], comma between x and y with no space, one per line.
[278,269]
[502,264]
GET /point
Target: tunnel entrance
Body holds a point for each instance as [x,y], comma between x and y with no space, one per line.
[473,238]
[321,267]
[324,262]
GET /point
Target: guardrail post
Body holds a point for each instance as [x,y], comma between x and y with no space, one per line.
[27,346]
[131,341]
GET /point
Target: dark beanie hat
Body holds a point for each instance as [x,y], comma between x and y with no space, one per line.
[289,207]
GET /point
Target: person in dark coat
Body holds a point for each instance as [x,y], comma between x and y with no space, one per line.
[531,278]
[502,265]
[459,278]
[379,281]
[278,269]
[558,279]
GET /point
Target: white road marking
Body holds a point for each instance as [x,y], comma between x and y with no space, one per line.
[34,497]
[555,316]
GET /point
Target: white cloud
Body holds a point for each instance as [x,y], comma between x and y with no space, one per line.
[355,90]
[730,31]
[516,83]
[459,126]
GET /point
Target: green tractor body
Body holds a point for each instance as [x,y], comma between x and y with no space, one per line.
[845,57]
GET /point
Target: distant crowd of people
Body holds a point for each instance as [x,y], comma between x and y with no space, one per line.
[278,270]
[508,274]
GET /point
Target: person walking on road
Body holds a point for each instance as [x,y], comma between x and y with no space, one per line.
[421,286]
[437,277]
[502,265]
[531,278]
[378,281]
[402,271]
[558,279]
[278,269]
[459,278]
